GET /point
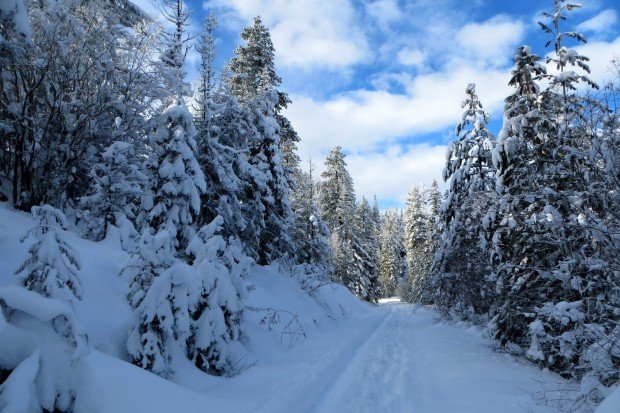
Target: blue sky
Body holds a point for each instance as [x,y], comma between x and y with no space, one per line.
[385,78]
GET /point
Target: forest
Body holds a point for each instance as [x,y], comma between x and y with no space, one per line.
[183,190]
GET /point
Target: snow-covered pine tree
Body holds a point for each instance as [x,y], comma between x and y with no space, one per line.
[220,126]
[392,255]
[434,201]
[338,207]
[171,203]
[177,180]
[221,267]
[417,243]
[175,47]
[116,188]
[457,280]
[311,234]
[544,243]
[434,212]
[205,46]
[367,287]
[253,82]
[196,309]
[51,266]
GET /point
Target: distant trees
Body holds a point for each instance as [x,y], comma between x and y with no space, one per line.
[392,255]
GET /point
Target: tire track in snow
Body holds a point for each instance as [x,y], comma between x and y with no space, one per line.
[301,391]
[375,378]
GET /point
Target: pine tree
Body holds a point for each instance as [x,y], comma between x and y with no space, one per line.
[311,233]
[417,243]
[42,312]
[338,206]
[214,344]
[457,281]
[117,185]
[253,82]
[218,129]
[543,241]
[170,207]
[392,262]
[196,309]
[52,265]
[368,287]
[176,46]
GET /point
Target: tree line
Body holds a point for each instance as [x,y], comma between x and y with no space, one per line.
[527,238]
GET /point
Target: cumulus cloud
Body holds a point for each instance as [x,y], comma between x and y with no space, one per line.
[491,41]
[306,33]
[601,54]
[389,174]
[362,120]
[601,23]
[411,57]
[384,12]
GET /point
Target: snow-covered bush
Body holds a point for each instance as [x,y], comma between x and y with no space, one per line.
[40,343]
[196,309]
[52,265]
[117,184]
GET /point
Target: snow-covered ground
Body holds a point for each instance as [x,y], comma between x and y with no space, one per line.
[325,352]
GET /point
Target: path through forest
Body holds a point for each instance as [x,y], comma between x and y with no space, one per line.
[400,359]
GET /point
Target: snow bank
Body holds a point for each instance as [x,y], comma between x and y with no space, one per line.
[280,319]
[611,404]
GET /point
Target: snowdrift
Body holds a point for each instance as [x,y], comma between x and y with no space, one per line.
[280,316]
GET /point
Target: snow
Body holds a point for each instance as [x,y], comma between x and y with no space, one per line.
[320,352]
[20,15]
[611,404]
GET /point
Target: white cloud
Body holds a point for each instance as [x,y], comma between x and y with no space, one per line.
[361,120]
[365,121]
[390,174]
[490,41]
[384,12]
[600,23]
[601,54]
[411,57]
[306,33]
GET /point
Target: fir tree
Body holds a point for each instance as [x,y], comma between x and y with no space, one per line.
[338,206]
[170,207]
[543,242]
[176,46]
[392,256]
[311,233]
[417,242]
[117,185]
[52,265]
[253,82]
[458,282]
[368,287]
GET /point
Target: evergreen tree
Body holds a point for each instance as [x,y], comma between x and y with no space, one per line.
[196,309]
[417,242]
[176,46]
[338,206]
[392,255]
[52,265]
[457,281]
[253,82]
[311,233]
[544,244]
[117,185]
[170,207]
[368,287]
[218,129]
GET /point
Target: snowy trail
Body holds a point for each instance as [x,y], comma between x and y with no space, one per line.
[401,360]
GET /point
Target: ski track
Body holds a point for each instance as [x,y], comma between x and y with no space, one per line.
[401,360]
